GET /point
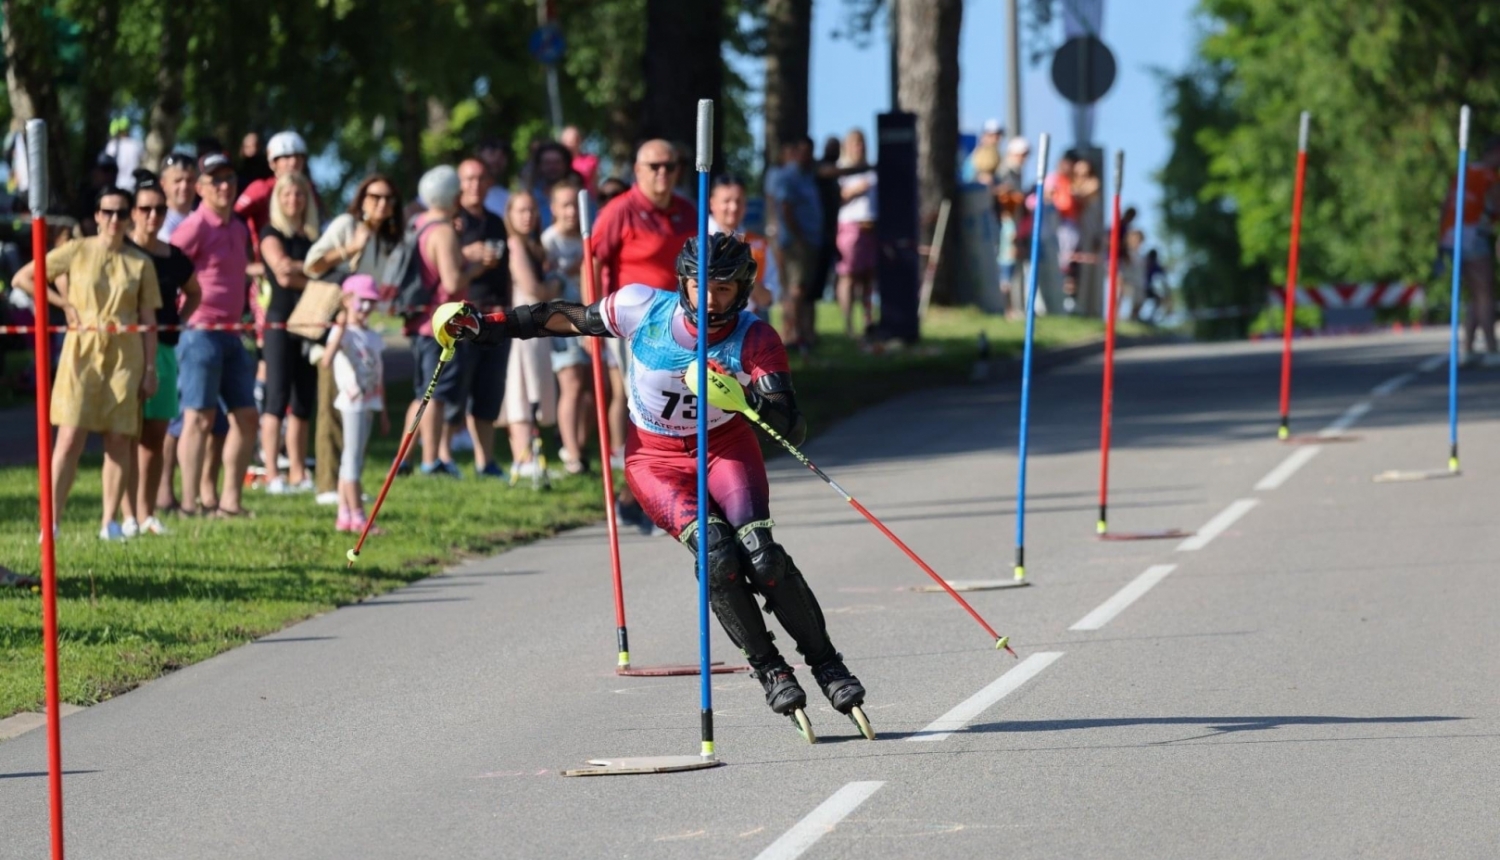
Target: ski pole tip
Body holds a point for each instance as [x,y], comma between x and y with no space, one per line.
[352,556]
[1004,642]
[1101,528]
[1282,433]
[1020,572]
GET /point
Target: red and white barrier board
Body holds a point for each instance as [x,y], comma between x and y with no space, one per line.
[1377,295]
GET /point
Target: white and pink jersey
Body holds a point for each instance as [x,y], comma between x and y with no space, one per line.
[662,346]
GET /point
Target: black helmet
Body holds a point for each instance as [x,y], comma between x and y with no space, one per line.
[729,259]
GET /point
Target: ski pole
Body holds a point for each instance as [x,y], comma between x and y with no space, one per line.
[705,162]
[411,433]
[734,398]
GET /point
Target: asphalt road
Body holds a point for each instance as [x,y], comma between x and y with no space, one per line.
[1316,674]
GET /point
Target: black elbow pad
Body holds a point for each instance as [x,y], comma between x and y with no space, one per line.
[774,399]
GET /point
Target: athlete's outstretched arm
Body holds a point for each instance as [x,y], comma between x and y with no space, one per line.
[457,321]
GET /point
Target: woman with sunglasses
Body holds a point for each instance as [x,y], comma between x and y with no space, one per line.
[358,241]
[179,298]
[102,377]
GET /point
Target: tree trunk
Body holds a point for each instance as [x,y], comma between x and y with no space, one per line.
[166,111]
[410,120]
[98,83]
[682,64]
[788,49]
[28,47]
[929,32]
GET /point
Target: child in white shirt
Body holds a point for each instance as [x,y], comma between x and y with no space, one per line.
[354,352]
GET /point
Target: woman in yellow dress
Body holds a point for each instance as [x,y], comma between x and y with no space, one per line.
[102,377]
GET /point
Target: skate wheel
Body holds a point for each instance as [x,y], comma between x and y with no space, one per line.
[804,725]
[861,722]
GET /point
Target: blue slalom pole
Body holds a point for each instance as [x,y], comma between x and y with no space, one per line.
[705,162]
[1031,288]
[1458,265]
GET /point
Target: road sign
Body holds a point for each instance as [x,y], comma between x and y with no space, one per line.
[1083,69]
[546,44]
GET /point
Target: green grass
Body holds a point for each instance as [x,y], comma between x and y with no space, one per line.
[131,612]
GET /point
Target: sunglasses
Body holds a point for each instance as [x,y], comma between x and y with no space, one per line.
[155,210]
[218,179]
[111,214]
[660,166]
[379,198]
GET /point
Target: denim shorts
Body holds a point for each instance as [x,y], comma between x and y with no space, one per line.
[453,385]
[568,352]
[214,366]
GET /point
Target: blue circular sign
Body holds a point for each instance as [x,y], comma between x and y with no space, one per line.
[546,44]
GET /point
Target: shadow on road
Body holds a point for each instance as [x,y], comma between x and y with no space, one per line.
[1219,725]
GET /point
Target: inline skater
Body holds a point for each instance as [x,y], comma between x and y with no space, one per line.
[660,449]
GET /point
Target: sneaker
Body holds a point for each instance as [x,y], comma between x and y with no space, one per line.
[491,470]
[439,468]
[573,465]
[329,498]
[130,528]
[112,532]
[617,459]
[451,468]
[344,521]
[303,486]
[461,442]
[524,470]
[153,526]
[357,524]
[276,487]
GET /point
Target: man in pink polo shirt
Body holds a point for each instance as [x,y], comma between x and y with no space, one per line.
[213,365]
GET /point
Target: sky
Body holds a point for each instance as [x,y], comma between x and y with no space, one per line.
[849,84]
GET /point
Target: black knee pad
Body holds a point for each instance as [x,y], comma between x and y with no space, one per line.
[786,592]
[723,552]
[729,590]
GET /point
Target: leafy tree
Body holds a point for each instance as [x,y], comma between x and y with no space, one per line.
[1200,109]
[1384,82]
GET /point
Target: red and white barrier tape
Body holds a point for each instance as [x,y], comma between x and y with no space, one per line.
[137,328]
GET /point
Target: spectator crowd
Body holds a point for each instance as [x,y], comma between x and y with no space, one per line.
[264,368]
[1075,233]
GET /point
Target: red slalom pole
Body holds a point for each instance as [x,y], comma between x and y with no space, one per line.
[36,151]
[1291,280]
[601,410]
[1106,409]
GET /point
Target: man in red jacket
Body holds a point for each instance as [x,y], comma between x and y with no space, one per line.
[636,239]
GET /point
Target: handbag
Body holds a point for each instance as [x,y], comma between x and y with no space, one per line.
[316,307]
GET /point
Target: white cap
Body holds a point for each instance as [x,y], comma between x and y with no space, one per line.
[993,126]
[285,143]
[1017,146]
